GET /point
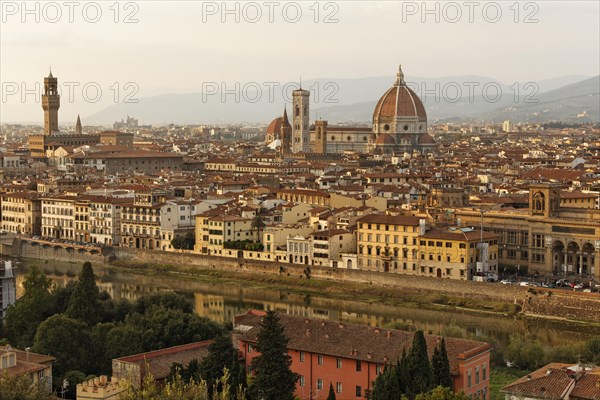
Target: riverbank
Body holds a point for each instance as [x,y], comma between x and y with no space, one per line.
[390,295]
[361,285]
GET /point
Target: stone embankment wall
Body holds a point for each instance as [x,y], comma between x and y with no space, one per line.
[560,303]
[452,287]
[563,304]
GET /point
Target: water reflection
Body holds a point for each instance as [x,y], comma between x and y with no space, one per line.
[221,301]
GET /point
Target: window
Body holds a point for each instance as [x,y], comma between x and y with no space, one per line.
[358,391]
[301,356]
[301,380]
[469,383]
[320,359]
[319,384]
[476,375]
[339,363]
[377,369]
[358,366]
[484,372]
[250,348]
[338,387]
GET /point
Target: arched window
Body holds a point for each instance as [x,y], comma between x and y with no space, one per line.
[539,201]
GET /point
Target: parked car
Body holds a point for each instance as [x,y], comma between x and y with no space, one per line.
[505,282]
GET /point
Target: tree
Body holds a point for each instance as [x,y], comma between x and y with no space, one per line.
[442,393]
[74,378]
[525,353]
[161,327]
[29,311]
[591,351]
[84,304]
[220,354]
[440,366]
[331,395]
[20,388]
[258,224]
[168,300]
[386,386]
[273,378]
[418,365]
[68,340]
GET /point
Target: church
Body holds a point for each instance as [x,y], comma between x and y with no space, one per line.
[399,126]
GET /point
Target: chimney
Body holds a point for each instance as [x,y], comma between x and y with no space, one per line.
[389,334]
[322,323]
[327,336]
[341,326]
[306,321]
[308,332]
[377,330]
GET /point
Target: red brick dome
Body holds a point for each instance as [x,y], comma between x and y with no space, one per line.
[399,101]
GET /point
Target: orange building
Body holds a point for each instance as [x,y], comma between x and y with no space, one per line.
[351,356]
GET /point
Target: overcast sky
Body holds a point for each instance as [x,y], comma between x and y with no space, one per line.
[175,46]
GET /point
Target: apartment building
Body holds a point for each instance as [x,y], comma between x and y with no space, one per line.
[105,219]
[389,243]
[458,253]
[351,356]
[58,217]
[21,213]
[215,232]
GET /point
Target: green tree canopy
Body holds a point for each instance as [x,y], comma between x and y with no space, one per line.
[442,393]
[525,353]
[83,304]
[68,340]
[591,352]
[386,386]
[29,311]
[273,378]
[20,388]
[220,355]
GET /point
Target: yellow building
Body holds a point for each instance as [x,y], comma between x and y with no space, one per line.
[21,213]
[388,243]
[214,231]
[457,253]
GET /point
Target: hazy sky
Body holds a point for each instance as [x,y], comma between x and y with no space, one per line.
[175,46]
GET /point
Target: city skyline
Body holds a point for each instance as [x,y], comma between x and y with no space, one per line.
[182,57]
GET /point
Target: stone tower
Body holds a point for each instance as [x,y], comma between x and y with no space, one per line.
[319,138]
[285,134]
[50,104]
[78,126]
[544,199]
[300,128]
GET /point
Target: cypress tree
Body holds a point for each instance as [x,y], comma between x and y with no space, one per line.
[445,376]
[386,386]
[331,395]
[419,369]
[220,354]
[83,304]
[273,378]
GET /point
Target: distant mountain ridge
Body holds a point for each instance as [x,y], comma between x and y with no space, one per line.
[453,98]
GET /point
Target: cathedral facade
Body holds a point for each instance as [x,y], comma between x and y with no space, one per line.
[399,125]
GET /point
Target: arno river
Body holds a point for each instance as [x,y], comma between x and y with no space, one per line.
[220,302]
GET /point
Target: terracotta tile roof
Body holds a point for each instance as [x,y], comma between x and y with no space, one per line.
[390,219]
[557,381]
[160,361]
[357,342]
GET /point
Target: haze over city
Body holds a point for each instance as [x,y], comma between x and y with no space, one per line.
[167,49]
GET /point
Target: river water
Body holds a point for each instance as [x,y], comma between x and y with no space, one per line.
[220,302]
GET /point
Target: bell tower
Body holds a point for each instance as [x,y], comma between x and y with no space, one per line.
[300,120]
[285,134]
[50,104]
